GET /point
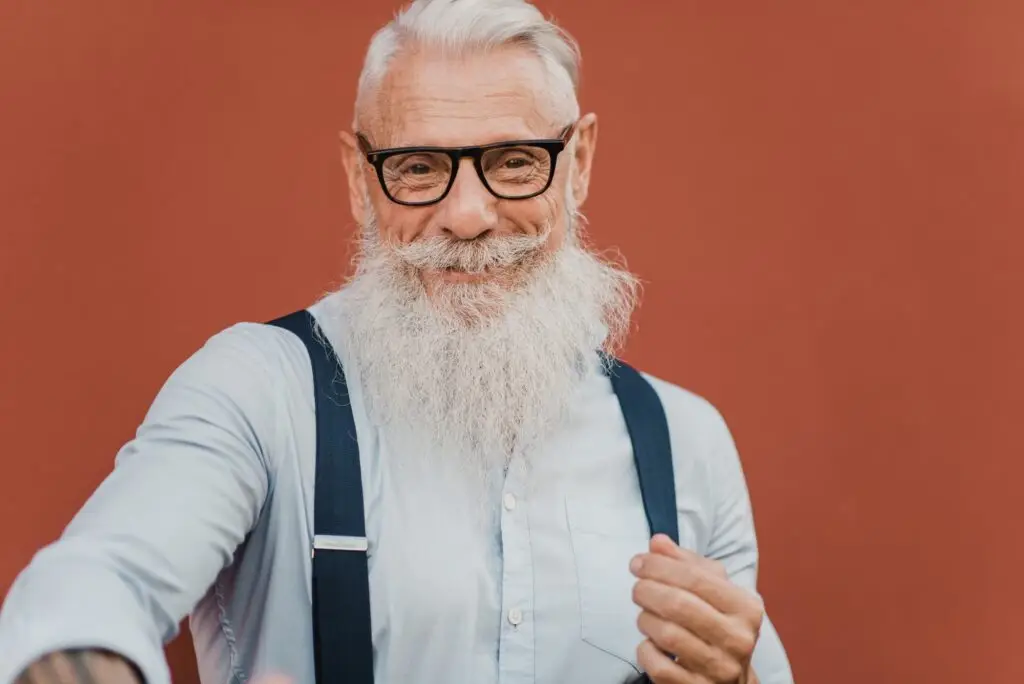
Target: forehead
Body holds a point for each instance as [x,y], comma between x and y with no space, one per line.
[432,99]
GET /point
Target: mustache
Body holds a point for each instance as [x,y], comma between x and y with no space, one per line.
[470,256]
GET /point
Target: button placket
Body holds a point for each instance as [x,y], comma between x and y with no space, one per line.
[516,641]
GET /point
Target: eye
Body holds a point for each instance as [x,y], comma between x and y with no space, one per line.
[516,162]
[416,167]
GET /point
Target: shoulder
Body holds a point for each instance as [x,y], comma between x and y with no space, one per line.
[243,356]
[709,474]
[242,381]
[246,377]
[694,422]
[254,345]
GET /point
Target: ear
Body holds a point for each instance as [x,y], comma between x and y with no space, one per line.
[355,170]
[586,145]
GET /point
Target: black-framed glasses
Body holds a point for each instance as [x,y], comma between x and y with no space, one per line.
[514,170]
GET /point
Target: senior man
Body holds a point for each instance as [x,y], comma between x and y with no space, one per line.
[486,476]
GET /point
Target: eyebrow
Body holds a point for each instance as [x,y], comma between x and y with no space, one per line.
[483,142]
[487,140]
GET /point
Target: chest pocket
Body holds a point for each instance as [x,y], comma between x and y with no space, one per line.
[603,542]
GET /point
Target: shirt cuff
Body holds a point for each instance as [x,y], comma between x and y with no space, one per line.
[49,609]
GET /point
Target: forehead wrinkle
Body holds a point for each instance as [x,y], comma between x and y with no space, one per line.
[402,101]
[393,131]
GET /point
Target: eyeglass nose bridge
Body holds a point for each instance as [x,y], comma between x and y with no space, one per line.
[476,155]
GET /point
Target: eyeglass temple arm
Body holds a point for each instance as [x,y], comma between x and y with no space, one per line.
[364,145]
[568,132]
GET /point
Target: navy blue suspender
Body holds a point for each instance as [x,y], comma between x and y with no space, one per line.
[342,641]
[652,449]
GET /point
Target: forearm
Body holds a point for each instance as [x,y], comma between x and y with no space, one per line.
[80,667]
[68,599]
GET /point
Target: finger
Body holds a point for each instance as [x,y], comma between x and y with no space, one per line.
[691,652]
[662,669]
[663,545]
[716,590]
[692,613]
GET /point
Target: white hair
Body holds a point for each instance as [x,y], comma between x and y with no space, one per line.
[456,27]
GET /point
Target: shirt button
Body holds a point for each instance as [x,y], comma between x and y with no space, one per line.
[509,502]
[515,616]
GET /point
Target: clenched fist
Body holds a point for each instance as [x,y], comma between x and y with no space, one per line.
[691,610]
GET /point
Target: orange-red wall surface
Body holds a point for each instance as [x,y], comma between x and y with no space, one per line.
[825,200]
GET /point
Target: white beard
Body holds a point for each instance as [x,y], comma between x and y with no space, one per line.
[481,371]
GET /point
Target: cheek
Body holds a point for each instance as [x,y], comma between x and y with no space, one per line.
[532,217]
[557,238]
[555,220]
[400,224]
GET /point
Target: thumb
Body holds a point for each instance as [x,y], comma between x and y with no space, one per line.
[663,545]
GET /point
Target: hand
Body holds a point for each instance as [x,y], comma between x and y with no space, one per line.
[691,610]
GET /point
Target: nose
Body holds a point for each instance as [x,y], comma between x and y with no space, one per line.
[470,210]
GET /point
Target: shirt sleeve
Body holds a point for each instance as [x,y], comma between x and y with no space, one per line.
[153,537]
[734,544]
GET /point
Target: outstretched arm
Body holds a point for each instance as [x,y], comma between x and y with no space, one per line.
[152,539]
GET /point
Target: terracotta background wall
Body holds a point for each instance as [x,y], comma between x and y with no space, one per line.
[825,199]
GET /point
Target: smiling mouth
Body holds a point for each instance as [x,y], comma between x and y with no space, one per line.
[456,275]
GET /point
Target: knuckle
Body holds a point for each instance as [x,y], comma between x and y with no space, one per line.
[667,636]
[754,616]
[716,568]
[641,653]
[660,632]
[707,660]
[644,592]
[643,622]
[673,639]
[740,641]
[689,577]
[685,578]
[677,605]
[757,607]
[702,585]
[661,670]
[724,669]
[637,591]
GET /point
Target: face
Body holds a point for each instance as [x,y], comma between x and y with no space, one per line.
[498,96]
[471,322]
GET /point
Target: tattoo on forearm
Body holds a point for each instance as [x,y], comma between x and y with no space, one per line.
[80,667]
[45,671]
[25,677]
[78,662]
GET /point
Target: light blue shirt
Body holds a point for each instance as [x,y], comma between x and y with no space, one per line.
[209,510]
